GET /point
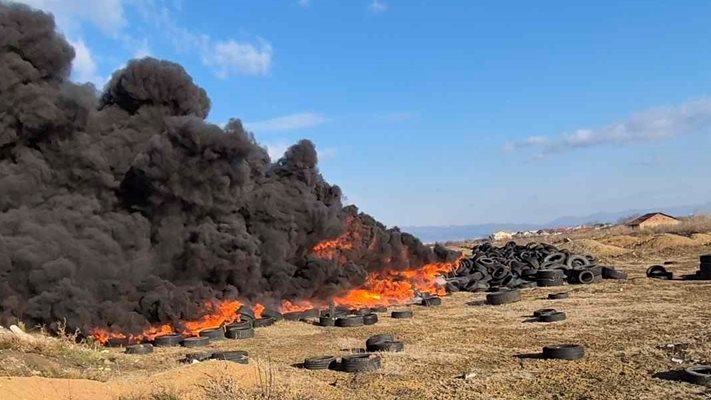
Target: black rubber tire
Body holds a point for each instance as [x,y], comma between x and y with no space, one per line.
[558,296]
[246,313]
[485,262]
[370,319]
[364,362]
[527,285]
[391,345]
[238,325]
[595,269]
[196,341]
[538,313]
[564,352]
[379,338]
[656,270]
[143,348]
[699,375]
[312,313]
[555,258]
[240,333]
[552,317]
[549,282]
[505,297]
[203,356]
[326,321]
[359,311]
[275,315]
[349,322]
[213,334]
[240,357]
[577,261]
[293,316]
[583,277]
[550,274]
[263,322]
[432,301]
[167,340]
[705,267]
[119,342]
[706,258]
[379,309]
[318,363]
[611,273]
[403,314]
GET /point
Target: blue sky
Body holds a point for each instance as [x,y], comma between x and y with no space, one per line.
[444,112]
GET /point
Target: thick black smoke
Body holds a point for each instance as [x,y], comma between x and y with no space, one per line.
[126,208]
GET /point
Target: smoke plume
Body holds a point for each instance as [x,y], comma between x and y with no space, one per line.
[126,208]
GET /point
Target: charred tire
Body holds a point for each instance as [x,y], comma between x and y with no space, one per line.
[246,312]
[262,322]
[558,296]
[360,362]
[391,345]
[379,338]
[317,363]
[196,341]
[564,352]
[538,313]
[312,313]
[214,334]
[240,333]
[275,315]
[349,322]
[370,319]
[401,314]
[326,321]
[552,317]
[549,282]
[611,273]
[167,340]
[293,316]
[431,301]
[699,374]
[379,309]
[144,348]
[499,298]
[240,357]
[238,325]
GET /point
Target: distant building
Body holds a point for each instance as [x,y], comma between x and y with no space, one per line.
[652,220]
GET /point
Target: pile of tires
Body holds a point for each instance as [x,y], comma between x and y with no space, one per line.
[512,266]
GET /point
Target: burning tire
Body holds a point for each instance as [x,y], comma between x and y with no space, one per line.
[238,356]
[552,317]
[611,273]
[326,321]
[239,325]
[196,341]
[349,322]
[263,322]
[699,374]
[499,298]
[370,319]
[275,315]
[213,334]
[564,352]
[379,309]
[317,363]
[390,345]
[167,340]
[558,296]
[144,348]
[360,362]
[431,301]
[293,316]
[401,314]
[240,333]
[245,313]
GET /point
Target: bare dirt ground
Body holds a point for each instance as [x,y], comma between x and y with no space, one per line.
[633,331]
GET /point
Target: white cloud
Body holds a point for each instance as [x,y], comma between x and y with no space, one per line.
[287,122]
[377,6]
[276,150]
[304,3]
[83,66]
[242,58]
[107,15]
[655,124]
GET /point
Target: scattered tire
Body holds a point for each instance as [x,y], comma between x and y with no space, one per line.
[390,345]
[263,322]
[370,319]
[549,282]
[360,362]
[699,374]
[558,296]
[349,322]
[656,271]
[326,321]
[196,341]
[379,338]
[238,356]
[214,334]
[611,273]
[238,325]
[144,348]
[499,298]
[431,301]
[538,313]
[167,340]
[564,352]
[240,333]
[317,363]
[204,356]
[401,314]
[552,317]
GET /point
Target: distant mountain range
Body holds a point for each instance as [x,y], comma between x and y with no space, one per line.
[429,234]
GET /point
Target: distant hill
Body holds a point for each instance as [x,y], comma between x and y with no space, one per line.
[429,234]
